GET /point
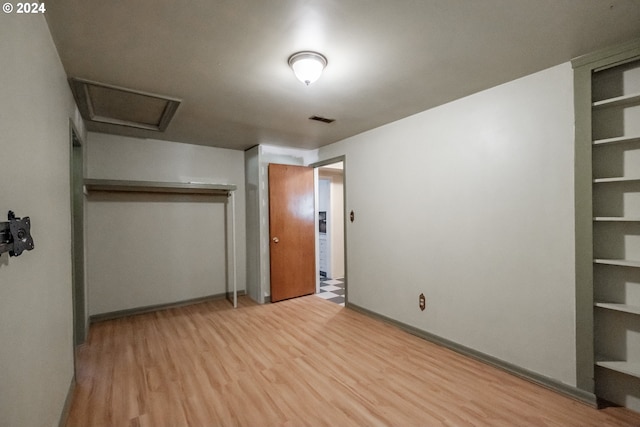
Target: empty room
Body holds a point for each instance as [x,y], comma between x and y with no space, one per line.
[320,213]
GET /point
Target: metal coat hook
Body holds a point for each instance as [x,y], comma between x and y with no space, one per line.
[15,235]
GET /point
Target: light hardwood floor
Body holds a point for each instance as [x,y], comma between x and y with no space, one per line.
[301,362]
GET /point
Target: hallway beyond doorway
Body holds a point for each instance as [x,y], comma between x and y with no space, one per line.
[332,290]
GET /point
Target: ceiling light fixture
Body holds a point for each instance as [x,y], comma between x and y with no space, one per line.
[307,66]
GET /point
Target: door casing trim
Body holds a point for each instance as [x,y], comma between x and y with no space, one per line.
[315,166]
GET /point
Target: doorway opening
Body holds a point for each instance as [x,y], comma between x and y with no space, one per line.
[330,231]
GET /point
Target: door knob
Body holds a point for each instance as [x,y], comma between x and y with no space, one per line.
[275,240]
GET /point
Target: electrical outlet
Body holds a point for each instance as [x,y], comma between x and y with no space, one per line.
[422,301]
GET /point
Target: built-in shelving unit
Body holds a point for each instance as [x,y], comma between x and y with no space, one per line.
[615,229]
[157,187]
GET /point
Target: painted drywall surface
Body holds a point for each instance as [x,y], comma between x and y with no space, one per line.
[252,184]
[473,207]
[155,249]
[337,225]
[36,320]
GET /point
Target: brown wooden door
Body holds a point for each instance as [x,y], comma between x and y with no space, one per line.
[291,231]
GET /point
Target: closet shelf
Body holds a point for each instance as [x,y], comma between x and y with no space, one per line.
[625,308]
[620,262]
[616,179]
[616,140]
[616,219]
[157,187]
[619,101]
[628,368]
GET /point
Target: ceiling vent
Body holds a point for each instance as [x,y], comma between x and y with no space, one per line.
[322,119]
[99,102]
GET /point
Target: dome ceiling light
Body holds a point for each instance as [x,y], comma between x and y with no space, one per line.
[307,66]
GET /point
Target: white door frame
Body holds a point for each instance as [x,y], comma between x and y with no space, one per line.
[317,165]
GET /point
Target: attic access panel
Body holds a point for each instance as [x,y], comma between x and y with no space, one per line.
[103,103]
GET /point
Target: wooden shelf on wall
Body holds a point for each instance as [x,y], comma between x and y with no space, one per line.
[628,368]
[616,219]
[616,140]
[625,308]
[619,101]
[157,187]
[619,262]
[615,179]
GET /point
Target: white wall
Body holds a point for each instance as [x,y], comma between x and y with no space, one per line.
[36,330]
[474,207]
[145,249]
[252,191]
[337,225]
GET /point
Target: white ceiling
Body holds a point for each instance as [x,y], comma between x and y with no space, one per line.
[388,59]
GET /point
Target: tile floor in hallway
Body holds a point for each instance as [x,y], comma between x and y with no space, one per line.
[332,290]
